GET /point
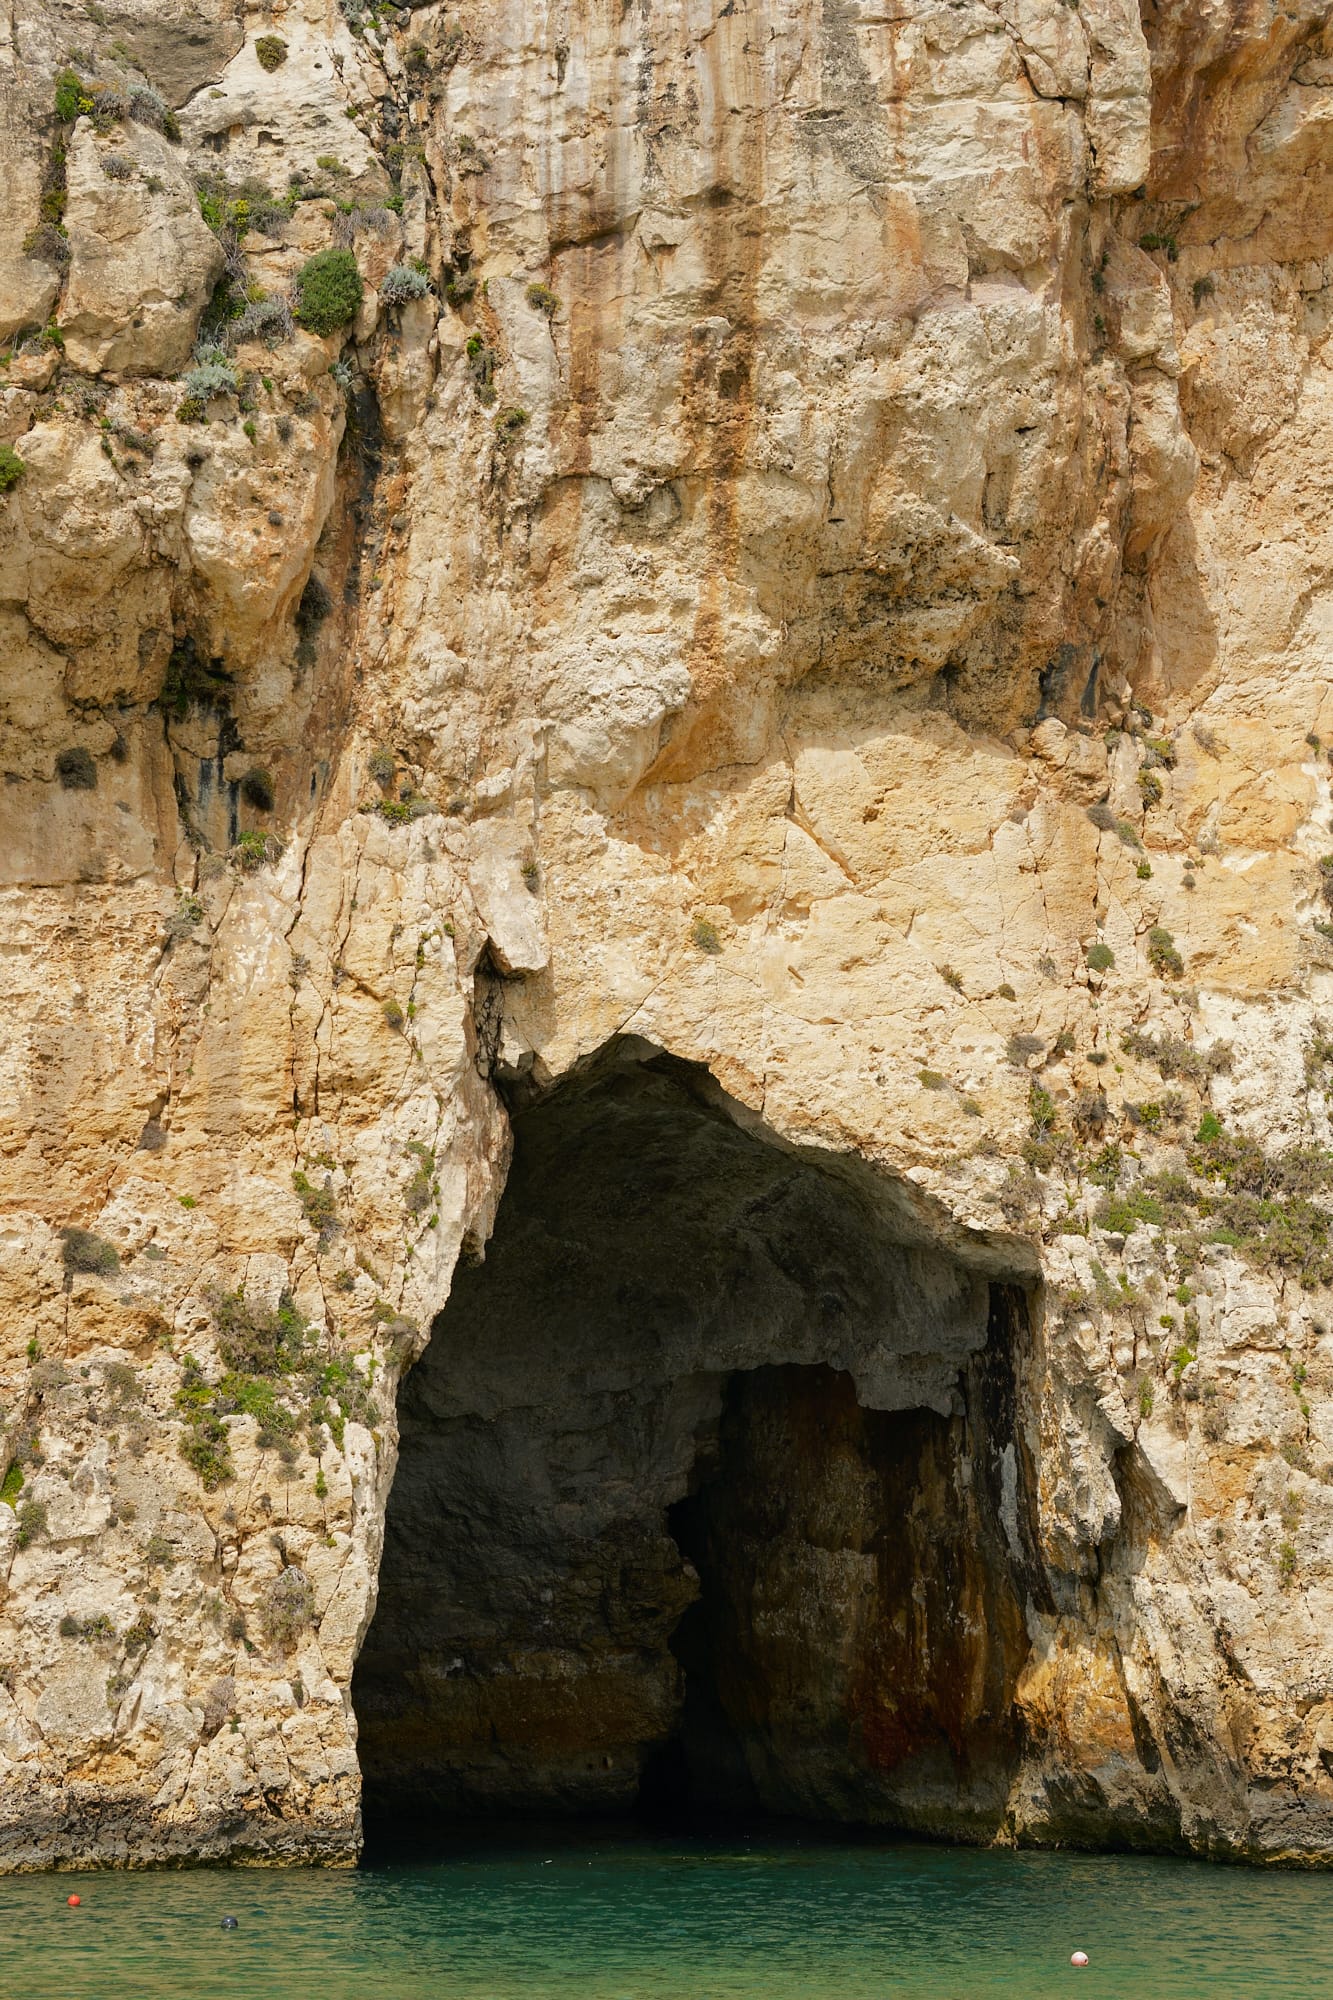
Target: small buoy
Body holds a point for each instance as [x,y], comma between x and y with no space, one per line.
[1079,1958]
[228,1924]
[74,1901]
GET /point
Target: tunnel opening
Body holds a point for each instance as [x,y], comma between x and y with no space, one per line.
[713,1497]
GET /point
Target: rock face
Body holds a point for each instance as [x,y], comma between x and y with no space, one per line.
[767,656]
[142,260]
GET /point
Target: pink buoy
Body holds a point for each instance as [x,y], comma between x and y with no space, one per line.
[1079,1958]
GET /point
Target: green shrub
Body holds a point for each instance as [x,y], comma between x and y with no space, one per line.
[705,936]
[1156,239]
[255,850]
[481,365]
[255,1339]
[255,1396]
[12,467]
[393,1015]
[952,979]
[90,1629]
[12,1486]
[205,1447]
[32,1522]
[1150,788]
[49,241]
[191,681]
[402,811]
[1122,1214]
[71,97]
[320,1205]
[382,768]
[543,300]
[1176,1057]
[1162,954]
[122,1382]
[1100,957]
[339,1394]
[271,51]
[140,1634]
[329,291]
[76,770]
[83,1251]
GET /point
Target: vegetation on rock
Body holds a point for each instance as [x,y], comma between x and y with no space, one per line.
[329,291]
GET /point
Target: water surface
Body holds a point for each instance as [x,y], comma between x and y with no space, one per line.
[638,1918]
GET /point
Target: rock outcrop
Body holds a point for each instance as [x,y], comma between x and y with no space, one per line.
[733,602]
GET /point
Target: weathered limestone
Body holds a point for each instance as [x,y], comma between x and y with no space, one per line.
[828,584]
[142,261]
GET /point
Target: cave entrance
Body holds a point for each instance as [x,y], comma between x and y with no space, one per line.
[712,1495]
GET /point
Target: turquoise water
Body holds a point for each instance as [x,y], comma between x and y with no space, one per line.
[661,1919]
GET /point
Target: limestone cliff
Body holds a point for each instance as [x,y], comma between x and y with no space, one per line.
[733,601]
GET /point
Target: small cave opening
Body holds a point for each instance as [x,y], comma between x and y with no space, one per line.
[714,1494]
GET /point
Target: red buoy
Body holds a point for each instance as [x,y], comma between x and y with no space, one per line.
[74,1901]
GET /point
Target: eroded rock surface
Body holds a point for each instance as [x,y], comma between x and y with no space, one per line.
[808,560]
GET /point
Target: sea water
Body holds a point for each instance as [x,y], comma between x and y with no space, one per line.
[612,1917]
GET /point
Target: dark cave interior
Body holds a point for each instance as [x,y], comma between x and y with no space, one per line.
[713,1496]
